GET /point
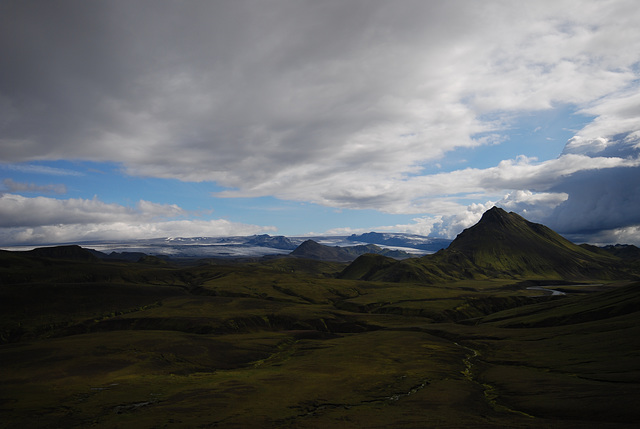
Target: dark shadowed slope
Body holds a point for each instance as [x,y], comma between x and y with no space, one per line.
[624,251]
[313,250]
[71,252]
[367,266]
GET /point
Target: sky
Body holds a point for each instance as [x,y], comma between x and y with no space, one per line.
[128,119]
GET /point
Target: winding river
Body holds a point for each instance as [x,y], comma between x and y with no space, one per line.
[542,288]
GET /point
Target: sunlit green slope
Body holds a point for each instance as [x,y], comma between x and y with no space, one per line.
[500,245]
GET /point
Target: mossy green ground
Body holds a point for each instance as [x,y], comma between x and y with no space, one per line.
[285,344]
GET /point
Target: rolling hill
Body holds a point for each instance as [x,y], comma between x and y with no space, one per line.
[311,249]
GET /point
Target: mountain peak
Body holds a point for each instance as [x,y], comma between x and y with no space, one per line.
[495,225]
[498,229]
[508,243]
[496,214]
[495,211]
[313,250]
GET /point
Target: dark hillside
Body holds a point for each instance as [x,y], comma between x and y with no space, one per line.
[72,252]
[580,350]
[365,266]
[595,249]
[313,250]
[431,269]
[301,265]
[618,302]
[119,256]
[624,251]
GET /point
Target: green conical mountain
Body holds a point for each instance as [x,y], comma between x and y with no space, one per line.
[502,245]
[507,243]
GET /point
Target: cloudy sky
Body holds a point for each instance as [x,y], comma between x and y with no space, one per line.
[137,119]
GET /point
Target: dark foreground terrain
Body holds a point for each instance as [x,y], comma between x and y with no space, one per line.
[294,343]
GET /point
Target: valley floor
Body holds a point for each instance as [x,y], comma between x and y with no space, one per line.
[289,346]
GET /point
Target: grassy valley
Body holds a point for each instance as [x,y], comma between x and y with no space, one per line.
[467,337]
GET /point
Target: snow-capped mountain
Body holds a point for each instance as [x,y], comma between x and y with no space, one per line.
[428,244]
[258,245]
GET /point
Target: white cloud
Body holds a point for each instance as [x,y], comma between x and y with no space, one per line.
[583,146]
[419,226]
[447,226]
[19,211]
[451,225]
[441,193]
[49,220]
[615,115]
[533,206]
[74,233]
[148,208]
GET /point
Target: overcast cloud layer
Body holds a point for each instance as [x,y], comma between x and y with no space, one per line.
[345,104]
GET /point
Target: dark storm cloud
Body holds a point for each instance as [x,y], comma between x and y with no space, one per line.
[58,64]
[598,200]
[13,186]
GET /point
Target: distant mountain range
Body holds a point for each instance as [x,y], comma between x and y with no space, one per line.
[308,249]
[277,242]
[402,240]
[624,251]
[254,246]
[500,245]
